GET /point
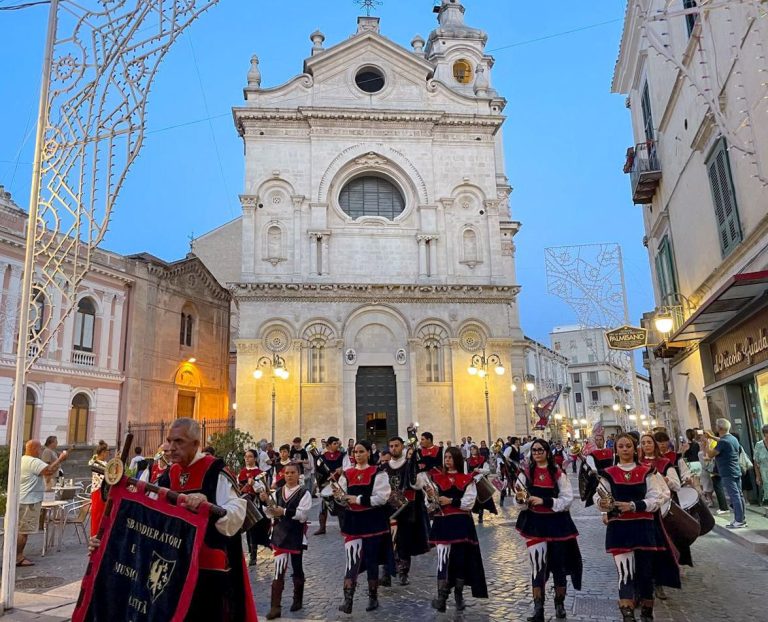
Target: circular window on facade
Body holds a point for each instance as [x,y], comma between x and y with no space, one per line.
[371,196]
[462,71]
[370,79]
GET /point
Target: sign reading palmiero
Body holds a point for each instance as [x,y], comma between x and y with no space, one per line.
[627,338]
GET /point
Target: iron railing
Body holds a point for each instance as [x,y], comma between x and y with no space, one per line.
[645,171]
[149,436]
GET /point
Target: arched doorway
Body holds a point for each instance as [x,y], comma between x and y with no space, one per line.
[78,419]
[694,411]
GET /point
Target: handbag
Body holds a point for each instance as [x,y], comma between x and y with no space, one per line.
[744,462]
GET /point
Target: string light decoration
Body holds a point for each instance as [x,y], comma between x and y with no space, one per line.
[589,278]
[738,126]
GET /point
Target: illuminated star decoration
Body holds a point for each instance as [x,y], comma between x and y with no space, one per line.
[368,5]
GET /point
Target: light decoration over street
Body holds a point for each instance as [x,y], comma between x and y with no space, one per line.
[99,64]
[702,74]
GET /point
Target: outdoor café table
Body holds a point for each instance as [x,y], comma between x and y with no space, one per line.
[51,511]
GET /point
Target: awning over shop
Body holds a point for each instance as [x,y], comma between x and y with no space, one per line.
[725,304]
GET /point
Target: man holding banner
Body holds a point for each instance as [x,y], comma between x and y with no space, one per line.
[198,582]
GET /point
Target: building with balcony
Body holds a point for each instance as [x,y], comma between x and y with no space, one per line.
[602,389]
[695,86]
[147,341]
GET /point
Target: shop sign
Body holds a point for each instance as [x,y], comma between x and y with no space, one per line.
[740,349]
[627,338]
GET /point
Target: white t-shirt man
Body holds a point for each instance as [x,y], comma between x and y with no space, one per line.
[32,485]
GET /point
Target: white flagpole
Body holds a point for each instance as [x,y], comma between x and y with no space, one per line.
[19,393]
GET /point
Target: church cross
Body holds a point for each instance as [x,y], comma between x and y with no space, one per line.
[368,5]
[191,238]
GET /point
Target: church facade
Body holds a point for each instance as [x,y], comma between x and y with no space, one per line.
[375,254]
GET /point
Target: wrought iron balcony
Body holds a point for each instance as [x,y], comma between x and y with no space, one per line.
[644,169]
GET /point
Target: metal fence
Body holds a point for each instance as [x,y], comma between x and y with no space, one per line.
[149,436]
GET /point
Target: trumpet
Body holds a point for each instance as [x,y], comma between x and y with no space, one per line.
[605,495]
[433,498]
[522,494]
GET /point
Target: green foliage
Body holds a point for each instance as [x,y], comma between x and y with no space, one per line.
[231,446]
[5,453]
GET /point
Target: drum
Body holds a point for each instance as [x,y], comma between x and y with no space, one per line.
[701,513]
[681,526]
[485,489]
[687,497]
[334,508]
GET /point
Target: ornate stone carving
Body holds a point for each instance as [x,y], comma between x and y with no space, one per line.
[277,339]
[472,338]
[371,159]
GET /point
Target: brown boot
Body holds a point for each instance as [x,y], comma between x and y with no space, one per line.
[277,595]
[538,606]
[323,519]
[373,595]
[298,594]
[646,611]
[443,591]
[349,594]
[560,612]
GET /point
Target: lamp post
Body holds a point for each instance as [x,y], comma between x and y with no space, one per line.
[279,370]
[479,367]
[527,383]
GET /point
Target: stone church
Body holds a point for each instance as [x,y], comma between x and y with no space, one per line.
[375,253]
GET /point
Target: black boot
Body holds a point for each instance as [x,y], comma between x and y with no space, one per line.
[458,595]
[403,576]
[386,580]
[627,613]
[560,602]
[538,606]
[373,594]
[252,558]
[298,594]
[442,595]
[323,519]
[646,611]
[349,594]
[274,603]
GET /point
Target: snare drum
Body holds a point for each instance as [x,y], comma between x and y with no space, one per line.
[485,489]
[688,497]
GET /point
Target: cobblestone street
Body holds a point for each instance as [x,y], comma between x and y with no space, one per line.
[728,582]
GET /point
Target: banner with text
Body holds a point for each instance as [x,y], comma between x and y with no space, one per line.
[146,567]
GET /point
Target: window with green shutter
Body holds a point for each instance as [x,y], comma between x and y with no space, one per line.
[665,272]
[724,197]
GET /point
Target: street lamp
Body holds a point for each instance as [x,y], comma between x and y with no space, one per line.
[664,323]
[279,370]
[479,365]
[528,386]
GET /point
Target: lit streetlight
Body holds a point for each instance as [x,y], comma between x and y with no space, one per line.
[279,370]
[479,365]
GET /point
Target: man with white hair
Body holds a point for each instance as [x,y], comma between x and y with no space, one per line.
[726,455]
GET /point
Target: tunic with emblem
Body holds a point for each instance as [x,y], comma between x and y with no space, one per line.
[429,458]
[550,521]
[368,517]
[288,531]
[412,524]
[454,524]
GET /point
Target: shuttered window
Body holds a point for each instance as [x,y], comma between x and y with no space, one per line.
[724,197]
[645,104]
[690,19]
[665,272]
[371,196]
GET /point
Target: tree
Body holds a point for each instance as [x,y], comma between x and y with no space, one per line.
[230,446]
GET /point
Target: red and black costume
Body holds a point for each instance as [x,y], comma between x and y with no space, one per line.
[365,527]
[328,463]
[636,539]
[288,541]
[258,534]
[550,534]
[410,529]
[592,466]
[223,591]
[428,458]
[459,561]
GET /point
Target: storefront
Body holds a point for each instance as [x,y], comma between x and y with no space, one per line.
[735,365]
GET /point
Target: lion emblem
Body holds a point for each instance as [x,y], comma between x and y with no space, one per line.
[160,572]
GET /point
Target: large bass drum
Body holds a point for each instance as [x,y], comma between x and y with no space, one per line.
[485,489]
[701,513]
[680,525]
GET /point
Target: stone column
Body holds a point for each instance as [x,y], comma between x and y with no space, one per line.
[117,332]
[313,254]
[249,234]
[433,256]
[326,265]
[12,308]
[422,256]
[106,309]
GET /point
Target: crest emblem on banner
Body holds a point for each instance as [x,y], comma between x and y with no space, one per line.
[183,479]
[160,572]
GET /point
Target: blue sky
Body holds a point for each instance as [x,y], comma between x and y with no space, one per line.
[565,136]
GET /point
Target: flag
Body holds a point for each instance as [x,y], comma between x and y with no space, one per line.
[544,408]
